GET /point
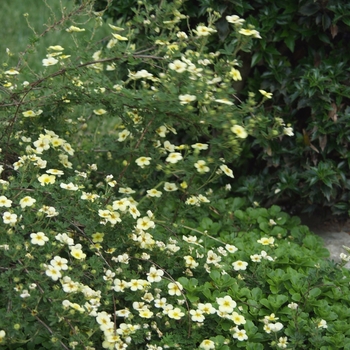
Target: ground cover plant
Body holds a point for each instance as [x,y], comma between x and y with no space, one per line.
[119,229]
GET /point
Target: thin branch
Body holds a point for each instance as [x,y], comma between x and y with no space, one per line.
[50,331]
[91,242]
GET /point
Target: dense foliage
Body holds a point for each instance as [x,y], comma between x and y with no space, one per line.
[119,227]
[302,58]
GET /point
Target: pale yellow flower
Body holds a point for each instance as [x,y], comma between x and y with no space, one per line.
[145,313]
[266,240]
[26,202]
[123,135]
[99,111]
[38,238]
[204,31]
[174,157]
[176,313]
[226,170]
[56,172]
[142,74]
[77,254]
[49,61]
[117,29]
[2,335]
[143,161]
[182,35]
[46,179]
[5,202]
[185,99]
[97,237]
[9,218]
[119,37]
[72,29]
[200,146]
[234,19]
[207,344]
[224,101]
[266,94]
[178,66]
[239,265]
[56,48]
[154,192]
[170,187]
[235,74]
[288,131]
[239,131]
[31,113]
[175,288]
[201,166]
[52,272]
[70,186]
[250,32]
[11,71]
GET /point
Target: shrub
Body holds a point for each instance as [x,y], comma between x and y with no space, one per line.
[119,228]
[302,59]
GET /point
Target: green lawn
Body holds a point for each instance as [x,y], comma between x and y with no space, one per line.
[17,16]
[25,21]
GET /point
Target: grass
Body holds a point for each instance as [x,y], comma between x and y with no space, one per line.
[22,22]
[23,30]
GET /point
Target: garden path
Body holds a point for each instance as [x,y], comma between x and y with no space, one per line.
[334,231]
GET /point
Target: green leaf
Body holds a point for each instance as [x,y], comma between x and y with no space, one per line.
[206,223]
[277,301]
[266,303]
[255,346]
[192,297]
[274,288]
[239,214]
[215,275]
[296,297]
[256,58]
[326,21]
[265,227]
[290,42]
[310,8]
[277,230]
[274,210]
[324,37]
[206,290]
[256,293]
[315,292]
[226,325]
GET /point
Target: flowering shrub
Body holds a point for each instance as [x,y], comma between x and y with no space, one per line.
[301,58]
[118,227]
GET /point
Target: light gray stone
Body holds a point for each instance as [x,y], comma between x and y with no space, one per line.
[335,234]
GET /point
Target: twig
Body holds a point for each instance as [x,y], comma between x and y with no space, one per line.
[89,239]
[50,331]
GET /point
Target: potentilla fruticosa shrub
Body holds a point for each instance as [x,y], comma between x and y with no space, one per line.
[115,228]
[302,58]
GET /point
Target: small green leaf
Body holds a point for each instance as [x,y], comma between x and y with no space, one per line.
[239,214]
[296,297]
[266,303]
[206,223]
[309,8]
[256,58]
[315,292]
[215,275]
[290,42]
